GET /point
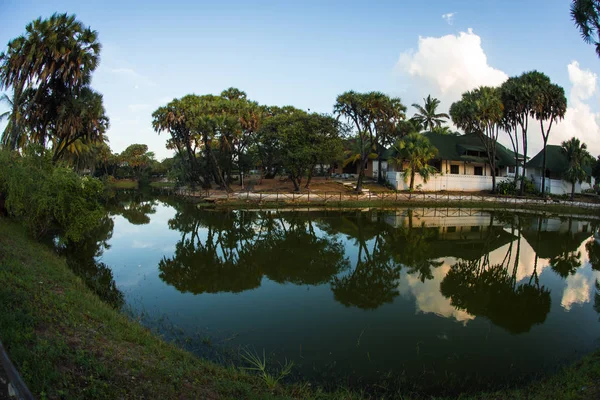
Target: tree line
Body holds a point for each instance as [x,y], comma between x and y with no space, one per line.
[219,138]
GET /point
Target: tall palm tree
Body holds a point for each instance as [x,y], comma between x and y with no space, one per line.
[12,136]
[416,151]
[427,117]
[586,15]
[577,157]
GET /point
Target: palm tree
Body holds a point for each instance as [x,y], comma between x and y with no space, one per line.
[586,15]
[577,157]
[49,69]
[427,117]
[415,150]
[13,135]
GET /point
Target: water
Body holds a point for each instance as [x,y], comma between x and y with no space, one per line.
[438,299]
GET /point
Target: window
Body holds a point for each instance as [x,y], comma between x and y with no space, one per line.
[511,169]
[475,229]
[454,169]
[451,229]
[478,171]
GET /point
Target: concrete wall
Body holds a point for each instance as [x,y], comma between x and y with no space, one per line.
[557,186]
[438,182]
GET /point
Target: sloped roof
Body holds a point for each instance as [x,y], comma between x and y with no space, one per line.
[556,161]
[452,147]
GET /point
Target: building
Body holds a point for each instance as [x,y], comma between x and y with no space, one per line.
[556,166]
[352,169]
[462,165]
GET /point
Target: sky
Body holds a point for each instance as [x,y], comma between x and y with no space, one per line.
[306,53]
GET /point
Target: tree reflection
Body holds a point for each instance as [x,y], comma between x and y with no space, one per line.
[81,259]
[231,252]
[135,206]
[491,291]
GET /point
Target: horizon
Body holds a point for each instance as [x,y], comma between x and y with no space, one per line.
[306,55]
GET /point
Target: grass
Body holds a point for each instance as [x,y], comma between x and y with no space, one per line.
[68,344]
[123,184]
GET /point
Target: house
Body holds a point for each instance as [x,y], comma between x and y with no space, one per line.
[461,163]
[556,166]
[372,168]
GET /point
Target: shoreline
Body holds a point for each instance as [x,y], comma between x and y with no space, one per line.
[67,343]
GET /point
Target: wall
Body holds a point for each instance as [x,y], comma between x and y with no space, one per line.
[556,186]
[438,182]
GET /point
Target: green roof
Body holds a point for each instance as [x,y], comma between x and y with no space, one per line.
[455,148]
[556,161]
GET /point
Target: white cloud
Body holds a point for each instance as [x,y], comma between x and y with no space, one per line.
[449,17]
[578,290]
[580,120]
[429,299]
[450,65]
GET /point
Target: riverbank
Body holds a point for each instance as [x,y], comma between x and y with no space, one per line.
[67,343]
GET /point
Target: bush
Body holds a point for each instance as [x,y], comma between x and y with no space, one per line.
[510,187]
[49,198]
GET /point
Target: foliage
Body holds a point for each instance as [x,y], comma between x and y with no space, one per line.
[480,111]
[49,198]
[511,187]
[260,365]
[416,151]
[586,15]
[376,117]
[427,117]
[49,70]
[577,157]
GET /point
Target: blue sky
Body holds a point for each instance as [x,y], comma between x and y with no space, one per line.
[306,53]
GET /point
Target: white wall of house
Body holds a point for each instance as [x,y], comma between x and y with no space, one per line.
[384,168]
[558,186]
[438,182]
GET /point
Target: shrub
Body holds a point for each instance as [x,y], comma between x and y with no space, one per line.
[510,187]
[49,198]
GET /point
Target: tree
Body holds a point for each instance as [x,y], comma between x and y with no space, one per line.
[518,95]
[416,151]
[481,112]
[306,141]
[586,15]
[138,158]
[13,135]
[577,157]
[549,106]
[427,116]
[49,70]
[375,117]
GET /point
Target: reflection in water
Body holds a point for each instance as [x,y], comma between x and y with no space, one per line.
[360,293]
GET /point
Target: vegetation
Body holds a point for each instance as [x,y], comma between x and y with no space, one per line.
[416,151]
[49,199]
[49,70]
[427,116]
[376,117]
[481,112]
[578,157]
[586,15]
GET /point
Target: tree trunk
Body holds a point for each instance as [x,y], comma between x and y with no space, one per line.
[379,176]
[573,191]
[544,171]
[295,182]
[361,174]
[310,175]
[412,180]
[522,191]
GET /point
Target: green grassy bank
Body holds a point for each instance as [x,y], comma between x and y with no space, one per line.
[68,344]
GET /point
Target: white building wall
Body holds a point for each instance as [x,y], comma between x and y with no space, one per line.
[558,186]
[384,168]
[438,182]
